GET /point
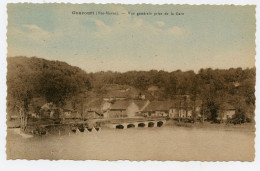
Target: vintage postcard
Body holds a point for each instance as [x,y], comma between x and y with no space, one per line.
[131,82]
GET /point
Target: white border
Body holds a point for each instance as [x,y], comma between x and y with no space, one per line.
[119,165]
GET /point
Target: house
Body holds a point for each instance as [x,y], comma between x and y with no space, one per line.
[75,115]
[92,114]
[67,113]
[35,106]
[171,108]
[122,108]
[184,112]
[227,111]
[158,109]
[70,111]
[142,104]
[49,110]
[93,109]
[105,106]
[184,106]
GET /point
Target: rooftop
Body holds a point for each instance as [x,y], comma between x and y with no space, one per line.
[141,103]
[159,105]
[121,104]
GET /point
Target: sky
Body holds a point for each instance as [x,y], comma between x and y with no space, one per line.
[205,36]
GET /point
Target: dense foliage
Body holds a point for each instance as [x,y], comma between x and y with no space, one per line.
[57,81]
[213,87]
[34,77]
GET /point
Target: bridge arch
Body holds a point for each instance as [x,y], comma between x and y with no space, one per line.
[159,123]
[130,125]
[74,129]
[89,129]
[141,124]
[81,129]
[120,126]
[150,124]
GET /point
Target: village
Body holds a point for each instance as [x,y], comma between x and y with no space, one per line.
[124,102]
[140,82]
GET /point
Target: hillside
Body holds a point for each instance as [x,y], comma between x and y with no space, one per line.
[54,81]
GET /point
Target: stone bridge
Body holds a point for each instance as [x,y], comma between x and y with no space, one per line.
[78,127]
[138,124]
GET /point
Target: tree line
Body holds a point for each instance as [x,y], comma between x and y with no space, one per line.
[57,82]
[213,87]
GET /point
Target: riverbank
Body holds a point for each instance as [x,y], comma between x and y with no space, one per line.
[247,127]
[64,129]
[18,132]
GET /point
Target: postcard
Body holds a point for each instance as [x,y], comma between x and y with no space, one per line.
[130,82]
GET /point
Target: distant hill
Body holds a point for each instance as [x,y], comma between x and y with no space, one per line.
[32,65]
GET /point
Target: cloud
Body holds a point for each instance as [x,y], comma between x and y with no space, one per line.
[31,40]
[32,27]
[177,31]
[126,25]
[99,23]
[103,29]
[35,32]
[110,39]
[160,23]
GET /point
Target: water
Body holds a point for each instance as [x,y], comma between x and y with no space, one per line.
[166,143]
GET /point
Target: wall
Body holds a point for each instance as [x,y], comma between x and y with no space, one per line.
[117,113]
[161,113]
[131,110]
[174,113]
[105,106]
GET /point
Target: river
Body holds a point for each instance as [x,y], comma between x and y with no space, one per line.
[165,143]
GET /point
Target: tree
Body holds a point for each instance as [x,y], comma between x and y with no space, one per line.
[20,87]
[33,77]
[59,83]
